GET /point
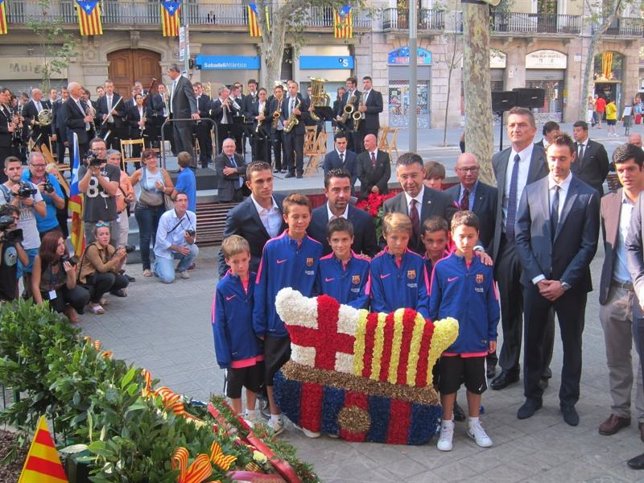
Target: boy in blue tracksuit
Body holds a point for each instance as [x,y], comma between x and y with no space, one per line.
[289,260]
[435,236]
[463,288]
[342,274]
[398,275]
[237,348]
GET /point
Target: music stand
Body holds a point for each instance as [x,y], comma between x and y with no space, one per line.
[324,112]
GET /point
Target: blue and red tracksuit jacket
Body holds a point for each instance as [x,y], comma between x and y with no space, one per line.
[394,287]
[347,284]
[236,344]
[285,263]
[469,295]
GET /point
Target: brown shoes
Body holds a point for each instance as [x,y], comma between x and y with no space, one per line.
[613,424]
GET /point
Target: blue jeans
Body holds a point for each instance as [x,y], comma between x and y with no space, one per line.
[147,218]
[164,267]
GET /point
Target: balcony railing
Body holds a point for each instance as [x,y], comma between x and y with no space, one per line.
[428,19]
[535,23]
[627,27]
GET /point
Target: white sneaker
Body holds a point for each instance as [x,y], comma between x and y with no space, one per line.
[478,434]
[446,437]
[276,425]
[184,275]
[308,433]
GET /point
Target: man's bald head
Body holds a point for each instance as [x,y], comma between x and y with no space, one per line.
[636,139]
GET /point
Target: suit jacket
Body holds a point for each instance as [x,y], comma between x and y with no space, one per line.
[611,210]
[304,107]
[30,113]
[249,106]
[155,108]
[203,105]
[60,121]
[370,177]
[371,121]
[593,168]
[567,256]
[435,203]
[485,202]
[537,170]
[74,120]
[184,103]
[253,112]
[5,135]
[332,161]
[364,230]
[348,125]
[243,220]
[132,119]
[228,185]
[118,116]
[216,112]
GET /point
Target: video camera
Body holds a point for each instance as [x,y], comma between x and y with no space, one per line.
[92,159]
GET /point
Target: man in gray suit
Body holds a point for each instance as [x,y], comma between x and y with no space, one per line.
[183,105]
[515,167]
[556,237]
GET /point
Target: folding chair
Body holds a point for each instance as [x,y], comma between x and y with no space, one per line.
[127,151]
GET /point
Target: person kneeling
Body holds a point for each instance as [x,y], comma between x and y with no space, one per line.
[100,269]
[176,237]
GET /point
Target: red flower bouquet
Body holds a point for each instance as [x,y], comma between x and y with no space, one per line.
[373,205]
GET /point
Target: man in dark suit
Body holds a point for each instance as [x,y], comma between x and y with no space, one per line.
[370,106]
[616,291]
[30,111]
[373,169]
[351,96]
[277,128]
[111,112]
[60,125]
[342,158]
[556,236]
[337,188]
[230,169]
[237,130]
[183,105]
[515,167]
[258,218]
[550,131]
[416,200]
[294,106]
[222,113]
[78,119]
[203,128]
[260,130]
[7,128]
[157,111]
[250,103]
[591,165]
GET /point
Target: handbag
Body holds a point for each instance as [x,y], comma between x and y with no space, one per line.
[148,197]
[169,204]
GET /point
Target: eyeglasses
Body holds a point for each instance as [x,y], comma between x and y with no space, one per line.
[39,165]
[468,170]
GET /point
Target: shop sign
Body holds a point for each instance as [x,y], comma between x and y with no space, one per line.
[401,56]
[546,59]
[326,62]
[227,62]
[21,68]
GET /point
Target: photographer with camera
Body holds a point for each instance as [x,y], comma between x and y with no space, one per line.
[27,198]
[100,269]
[99,182]
[176,237]
[54,278]
[49,188]
[10,252]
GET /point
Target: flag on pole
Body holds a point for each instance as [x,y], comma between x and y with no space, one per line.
[43,463]
[89,17]
[76,205]
[3,18]
[170,17]
[253,23]
[343,23]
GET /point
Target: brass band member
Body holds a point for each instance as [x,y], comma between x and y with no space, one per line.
[237,129]
[277,128]
[7,129]
[203,129]
[261,132]
[222,113]
[39,124]
[295,110]
[157,113]
[111,113]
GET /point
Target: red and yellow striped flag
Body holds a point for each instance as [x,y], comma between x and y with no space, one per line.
[170,18]
[3,18]
[89,17]
[43,463]
[343,23]
[253,24]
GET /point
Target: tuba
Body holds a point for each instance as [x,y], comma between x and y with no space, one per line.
[45,117]
[319,98]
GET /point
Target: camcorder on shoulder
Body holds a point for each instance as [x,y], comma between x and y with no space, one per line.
[11,235]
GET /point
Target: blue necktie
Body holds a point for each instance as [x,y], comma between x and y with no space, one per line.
[554,213]
[232,161]
[512,200]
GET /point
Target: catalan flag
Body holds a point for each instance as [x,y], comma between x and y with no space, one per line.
[170,17]
[253,23]
[343,23]
[3,18]
[43,463]
[89,17]
[76,205]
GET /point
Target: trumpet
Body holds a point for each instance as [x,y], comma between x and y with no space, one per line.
[142,125]
[260,122]
[292,120]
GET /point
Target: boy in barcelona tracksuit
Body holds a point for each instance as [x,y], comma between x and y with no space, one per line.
[463,288]
[398,275]
[237,348]
[342,274]
[289,260]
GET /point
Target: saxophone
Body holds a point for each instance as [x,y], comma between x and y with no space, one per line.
[348,109]
[292,120]
[277,114]
[260,123]
[357,117]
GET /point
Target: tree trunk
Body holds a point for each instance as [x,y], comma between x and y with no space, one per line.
[450,69]
[479,135]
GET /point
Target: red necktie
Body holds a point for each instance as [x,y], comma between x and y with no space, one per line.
[373,160]
[465,201]
[413,216]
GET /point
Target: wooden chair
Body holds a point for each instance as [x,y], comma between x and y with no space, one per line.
[383,144]
[314,148]
[127,149]
[389,141]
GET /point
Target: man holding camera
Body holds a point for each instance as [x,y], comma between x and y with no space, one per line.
[50,190]
[27,198]
[175,240]
[11,251]
[99,182]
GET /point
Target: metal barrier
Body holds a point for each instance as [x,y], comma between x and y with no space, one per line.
[169,121]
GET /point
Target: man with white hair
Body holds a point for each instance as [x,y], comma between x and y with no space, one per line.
[39,132]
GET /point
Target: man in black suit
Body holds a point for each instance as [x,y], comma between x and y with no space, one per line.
[591,165]
[416,200]
[183,105]
[370,105]
[230,169]
[60,125]
[342,158]
[550,131]
[556,236]
[249,107]
[294,106]
[78,119]
[222,113]
[515,167]
[261,127]
[277,128]
[157,111]
[258,218]
[111,112]
[203,128]
[351,96]
[7,128]
[237,130]
[337,188]
[30,111]
[373,169]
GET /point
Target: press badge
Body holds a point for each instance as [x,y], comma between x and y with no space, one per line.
[52,295]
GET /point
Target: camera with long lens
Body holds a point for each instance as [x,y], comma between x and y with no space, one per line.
[26,190]
[92,159]
[15,235]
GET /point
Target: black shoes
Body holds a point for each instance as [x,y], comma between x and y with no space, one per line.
[530,406]
[289,175]
[490,371]
[503,380]
[636,463]
[570,415]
